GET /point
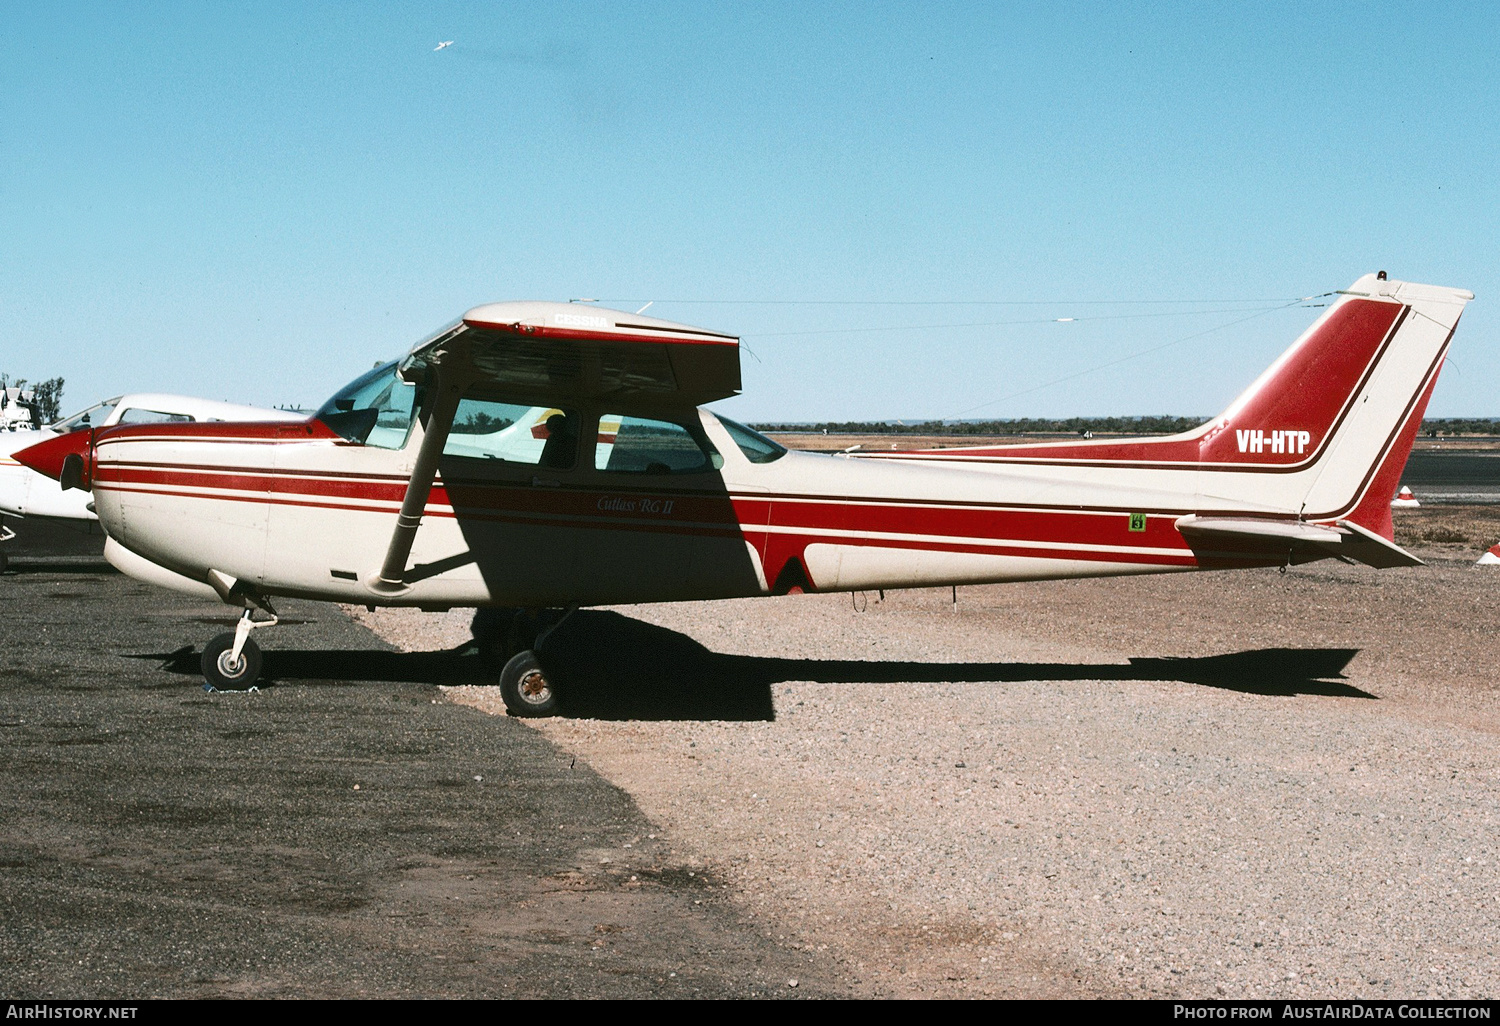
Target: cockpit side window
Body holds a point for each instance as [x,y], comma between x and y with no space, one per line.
[374,409]
[537,436]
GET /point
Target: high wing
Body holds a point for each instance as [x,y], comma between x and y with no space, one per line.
[560,351]
[548,353]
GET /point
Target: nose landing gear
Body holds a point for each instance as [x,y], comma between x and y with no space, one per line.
[231,662]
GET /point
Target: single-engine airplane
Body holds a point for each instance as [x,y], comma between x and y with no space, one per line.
[536,456]
[26,494]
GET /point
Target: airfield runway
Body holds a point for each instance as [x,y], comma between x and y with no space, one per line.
[1457,475]
[1239,784]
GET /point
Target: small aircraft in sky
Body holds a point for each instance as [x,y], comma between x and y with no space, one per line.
[539,456]
[25,493]
[442,46]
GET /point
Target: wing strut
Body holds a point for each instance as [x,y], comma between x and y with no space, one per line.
[447,391]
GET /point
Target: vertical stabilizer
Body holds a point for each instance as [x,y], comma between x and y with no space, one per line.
[1326,430]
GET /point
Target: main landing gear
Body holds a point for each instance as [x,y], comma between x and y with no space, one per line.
[514,636]
[525,688]
[231,662]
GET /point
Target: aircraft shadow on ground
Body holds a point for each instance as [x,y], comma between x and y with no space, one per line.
[611,667]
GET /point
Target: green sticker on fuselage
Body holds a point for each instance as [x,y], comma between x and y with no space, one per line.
[1137,521]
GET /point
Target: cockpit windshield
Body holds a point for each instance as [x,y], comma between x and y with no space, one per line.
[94,416]
[374,409]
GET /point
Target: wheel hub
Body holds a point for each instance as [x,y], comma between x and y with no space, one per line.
[534,687]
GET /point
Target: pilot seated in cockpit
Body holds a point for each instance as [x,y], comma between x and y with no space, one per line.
[561,448]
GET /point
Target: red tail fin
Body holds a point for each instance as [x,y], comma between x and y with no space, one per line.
[1292,410]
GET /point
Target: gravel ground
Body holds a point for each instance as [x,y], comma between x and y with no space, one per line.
[1241,784]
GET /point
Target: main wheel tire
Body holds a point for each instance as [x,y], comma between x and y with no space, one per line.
[224,675]
[526,688]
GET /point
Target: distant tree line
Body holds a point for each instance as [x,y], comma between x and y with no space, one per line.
[1162,425]
[1434,426]
[481,423]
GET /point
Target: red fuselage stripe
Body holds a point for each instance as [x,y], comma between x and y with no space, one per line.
[971,528]
[676,338]
[995,547]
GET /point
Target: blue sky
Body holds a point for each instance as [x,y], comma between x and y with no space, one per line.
[256,202]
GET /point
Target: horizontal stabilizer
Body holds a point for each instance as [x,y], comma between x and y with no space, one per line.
[1371,549]
[1219,540]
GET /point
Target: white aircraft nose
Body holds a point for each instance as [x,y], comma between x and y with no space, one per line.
[15,484]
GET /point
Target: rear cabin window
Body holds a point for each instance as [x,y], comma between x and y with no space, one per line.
[756,446]
[538,436]
[637,445]
[137,415]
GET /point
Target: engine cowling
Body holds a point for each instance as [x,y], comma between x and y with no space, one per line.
[68,459]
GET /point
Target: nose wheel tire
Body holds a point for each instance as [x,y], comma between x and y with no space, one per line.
[526,687]
[225,674]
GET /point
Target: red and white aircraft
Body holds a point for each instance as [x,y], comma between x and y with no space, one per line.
[26,494]
[554,456]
